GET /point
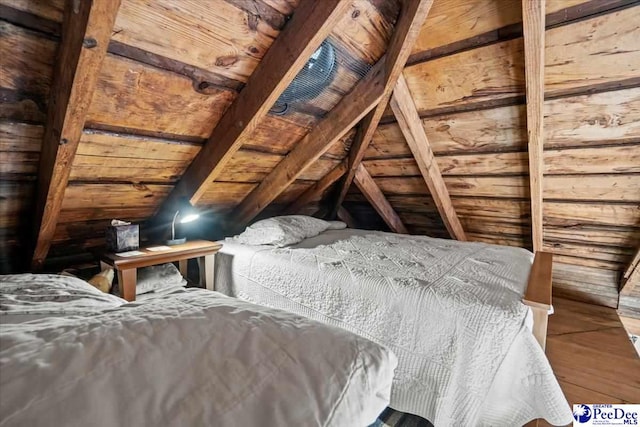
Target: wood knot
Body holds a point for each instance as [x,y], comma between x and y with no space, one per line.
[226,61]
[203,85]
[64,141]
[89,43]
[355,14]
[254,50]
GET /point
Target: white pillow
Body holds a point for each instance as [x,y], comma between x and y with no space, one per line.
[336,225]
[158,277]
[282,230]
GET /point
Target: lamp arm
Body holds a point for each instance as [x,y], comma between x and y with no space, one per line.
[173,225]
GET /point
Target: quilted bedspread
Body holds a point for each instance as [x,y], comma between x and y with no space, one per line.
[197,358]
[450,311]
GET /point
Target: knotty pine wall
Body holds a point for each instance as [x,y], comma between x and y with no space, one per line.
[466,75]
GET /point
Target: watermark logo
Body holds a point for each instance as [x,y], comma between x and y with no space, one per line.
[582,413]
[606,415]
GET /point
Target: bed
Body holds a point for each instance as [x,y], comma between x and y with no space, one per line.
[451,311]
[73,356]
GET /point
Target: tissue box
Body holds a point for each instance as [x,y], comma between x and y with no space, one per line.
[122,238]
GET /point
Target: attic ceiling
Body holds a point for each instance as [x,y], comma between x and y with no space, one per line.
[173,69]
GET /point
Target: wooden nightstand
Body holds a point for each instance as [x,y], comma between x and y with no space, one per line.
[126,267]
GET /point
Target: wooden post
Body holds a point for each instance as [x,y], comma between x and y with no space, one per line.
[533,25]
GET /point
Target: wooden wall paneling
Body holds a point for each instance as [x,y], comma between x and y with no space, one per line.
[19,162]
[509,187]
[631,275]
[493,209]
[226,194]
[598,188]
[533,16]
[309,26]
[93,213]
[599,235]
[27,69]
[364,31]
[16,136]
[107,144]
[275,135]
[316,191]
[598,51]
[569,214]
[16,201]
[109,169]
[589,262]
[367,185]
[81,195]
[454,21]
[492,130]
[133,95]
[601,160]
[50,9]
[472,164]
[254,166]
[229,42]
[616,254]
[362,99]
[86,32]
[488,74]
[593,119]
[406,113]
[587,284]
[412,15]
[291,193]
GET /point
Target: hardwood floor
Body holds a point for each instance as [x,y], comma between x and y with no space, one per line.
[591,354]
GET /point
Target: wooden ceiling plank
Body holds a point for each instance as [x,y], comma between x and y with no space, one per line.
[310,25]
[349,111]
[316,190]
[412,16]
[87,29]
[533,25]
[410,124]
[631,277]
[374,195]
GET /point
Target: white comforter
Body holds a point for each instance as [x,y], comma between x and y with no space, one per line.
[450,311]
[196,358]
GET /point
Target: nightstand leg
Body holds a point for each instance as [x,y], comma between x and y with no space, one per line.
[127,281]
[206,266]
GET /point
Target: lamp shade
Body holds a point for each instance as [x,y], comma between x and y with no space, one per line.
[187,213]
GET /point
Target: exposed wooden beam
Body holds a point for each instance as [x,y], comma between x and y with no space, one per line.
[411,126]
[631,276]
[374,195]
[311,24]
[412,16]
[346,217]
[316,190]
[357,103]
[533,26]
[86,31]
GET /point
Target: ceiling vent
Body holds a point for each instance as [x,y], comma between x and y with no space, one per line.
[315,76]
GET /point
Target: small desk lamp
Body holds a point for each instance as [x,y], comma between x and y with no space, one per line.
[187,213]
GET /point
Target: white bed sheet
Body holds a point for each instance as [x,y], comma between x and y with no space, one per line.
[450,311]
[196,358]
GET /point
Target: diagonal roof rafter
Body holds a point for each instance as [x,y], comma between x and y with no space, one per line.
[363,99]
[86,31]
[311,24]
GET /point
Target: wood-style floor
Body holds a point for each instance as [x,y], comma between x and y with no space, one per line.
[591,354]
